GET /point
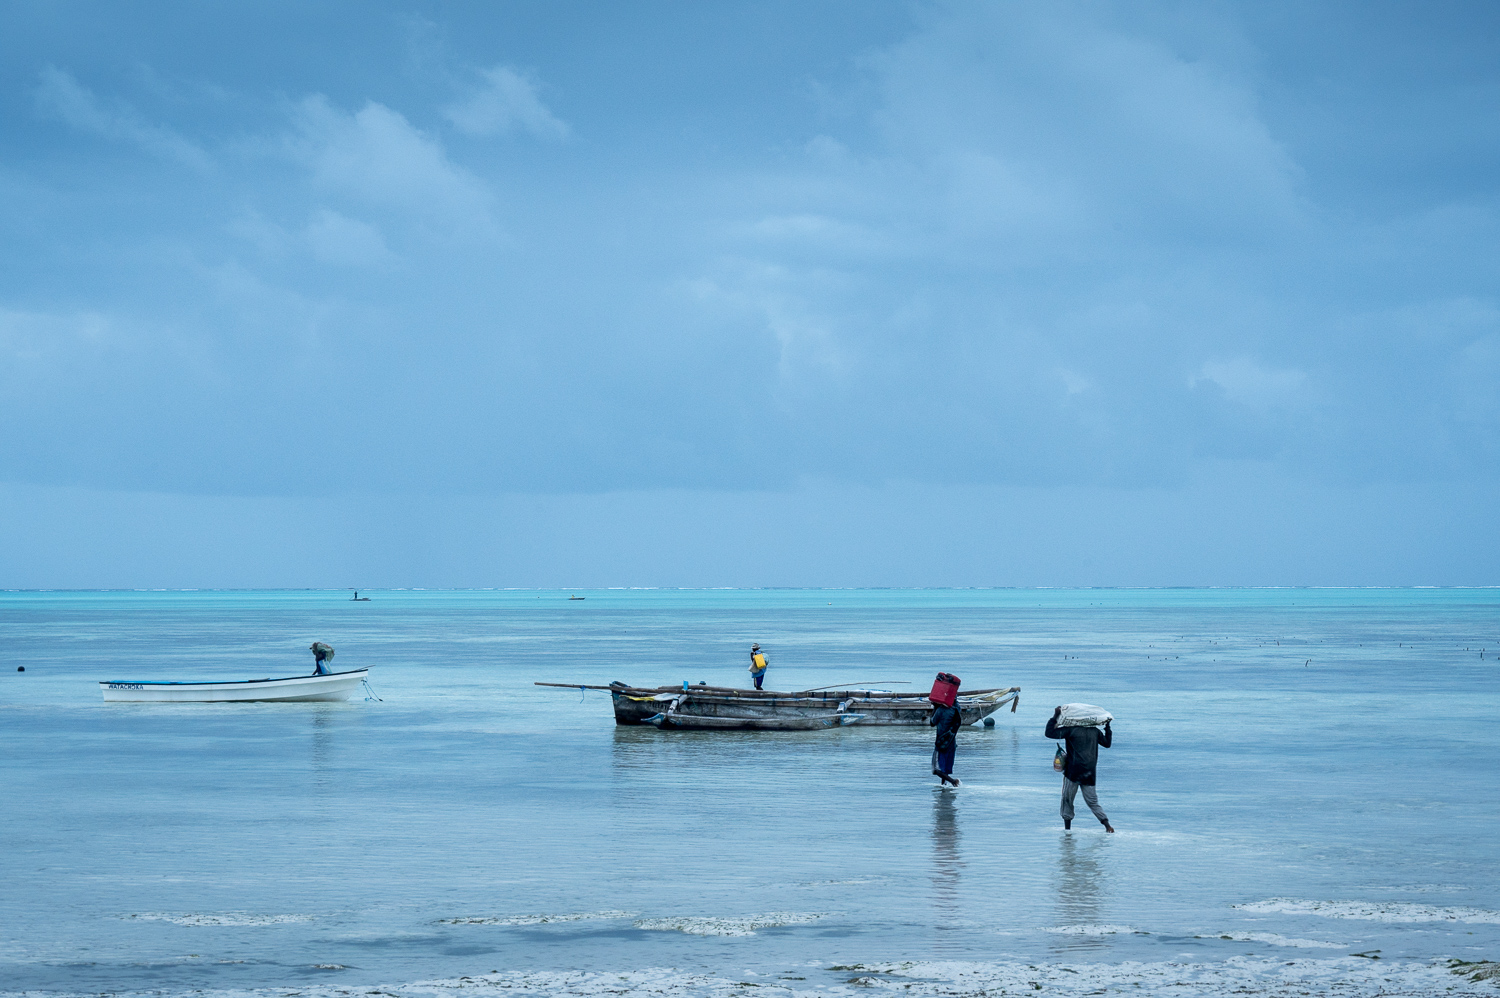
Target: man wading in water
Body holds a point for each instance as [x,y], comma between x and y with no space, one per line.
[947,720]
[1083,755]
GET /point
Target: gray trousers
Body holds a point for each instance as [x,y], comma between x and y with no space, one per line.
[1090,797]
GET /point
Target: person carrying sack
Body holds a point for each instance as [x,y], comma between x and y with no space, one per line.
[1083,744]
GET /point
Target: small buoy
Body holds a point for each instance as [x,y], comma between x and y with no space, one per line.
[989,722]
[20,668]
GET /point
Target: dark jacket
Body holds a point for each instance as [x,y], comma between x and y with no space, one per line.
[947,720]
[1083,749]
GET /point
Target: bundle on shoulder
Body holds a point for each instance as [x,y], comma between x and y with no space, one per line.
[1082,715]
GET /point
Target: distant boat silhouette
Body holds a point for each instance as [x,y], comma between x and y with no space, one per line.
[357,598]
[577,597]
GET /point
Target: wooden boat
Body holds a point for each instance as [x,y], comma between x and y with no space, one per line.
[672,717]
[722,707]
[329,686]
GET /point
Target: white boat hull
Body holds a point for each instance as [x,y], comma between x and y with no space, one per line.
[334,686]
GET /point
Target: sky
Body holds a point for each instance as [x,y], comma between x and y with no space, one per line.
[777,293]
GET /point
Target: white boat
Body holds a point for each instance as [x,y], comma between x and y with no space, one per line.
[329,686]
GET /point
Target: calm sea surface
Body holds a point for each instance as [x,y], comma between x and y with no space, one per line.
[1296,775]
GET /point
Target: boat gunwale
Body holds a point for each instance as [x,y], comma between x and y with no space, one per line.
[831,694]
[909,701]
[224,682]
[922,705]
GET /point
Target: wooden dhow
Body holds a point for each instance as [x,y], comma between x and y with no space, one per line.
[719,708]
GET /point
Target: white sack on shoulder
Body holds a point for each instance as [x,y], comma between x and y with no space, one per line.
[1083,715]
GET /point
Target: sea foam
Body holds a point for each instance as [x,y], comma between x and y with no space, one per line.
[579,916]
[1272,939]
[735,926]
[1345,977]
[1392,911]
[235,918]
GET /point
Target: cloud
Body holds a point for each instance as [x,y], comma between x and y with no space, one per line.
[376,156]
[793,306]
[336,239]
[1251,383]
[1475,392]
[60,96]
[1028,245]
[1031,191]
[1052,115]
[506,102]
[36,345]
[1073,382]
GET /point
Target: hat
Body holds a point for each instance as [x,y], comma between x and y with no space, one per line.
[755,647]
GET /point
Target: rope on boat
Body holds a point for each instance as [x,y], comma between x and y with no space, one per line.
[371,690]
[855,686]
[583,690]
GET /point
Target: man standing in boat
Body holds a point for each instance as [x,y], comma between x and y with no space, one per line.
[322,655]
[758,665]
[1084,742]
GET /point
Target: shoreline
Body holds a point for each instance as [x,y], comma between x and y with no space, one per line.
[1238,975]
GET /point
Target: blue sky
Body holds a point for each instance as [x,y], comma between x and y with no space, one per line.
[749,294]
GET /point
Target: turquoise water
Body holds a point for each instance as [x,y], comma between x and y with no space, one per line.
[1312,773]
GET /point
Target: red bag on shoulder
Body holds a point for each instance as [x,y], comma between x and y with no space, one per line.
[945,689]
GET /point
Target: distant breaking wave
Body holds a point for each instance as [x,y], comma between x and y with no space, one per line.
[581,916]
[237,918]
[695,925]
[1272,939]
[1393,911]
[742,926]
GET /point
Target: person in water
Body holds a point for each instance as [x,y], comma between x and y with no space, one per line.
[947,720]
[1084,742]
[758,665]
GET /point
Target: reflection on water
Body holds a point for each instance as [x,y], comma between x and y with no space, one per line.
[1080,890]
[321,723]
[947,866]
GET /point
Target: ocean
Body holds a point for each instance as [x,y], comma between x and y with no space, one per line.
[1304,784]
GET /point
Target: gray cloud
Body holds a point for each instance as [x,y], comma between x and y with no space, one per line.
[61,96]
[376,156]
[1069,245]
[505,101]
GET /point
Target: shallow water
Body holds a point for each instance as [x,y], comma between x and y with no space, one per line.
[1310,773]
